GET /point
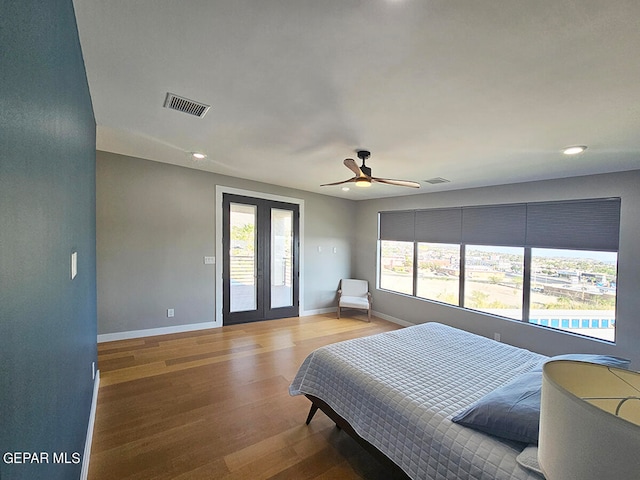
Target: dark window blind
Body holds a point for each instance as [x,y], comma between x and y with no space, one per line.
[576,224]
[494,225]
[398,225]
[580,225]
[440,225]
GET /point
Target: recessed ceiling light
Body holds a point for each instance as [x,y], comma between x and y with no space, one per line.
[198,155]
[575,150]
[345,189]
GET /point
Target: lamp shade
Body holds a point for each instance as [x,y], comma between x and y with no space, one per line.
[589,422]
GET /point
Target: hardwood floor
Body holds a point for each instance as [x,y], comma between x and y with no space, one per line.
[214,404]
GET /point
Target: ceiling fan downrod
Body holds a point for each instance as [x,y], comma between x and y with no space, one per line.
[363,155]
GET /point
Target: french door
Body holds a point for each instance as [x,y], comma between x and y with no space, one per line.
[260,240]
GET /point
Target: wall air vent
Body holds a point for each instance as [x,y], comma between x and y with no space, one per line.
[436,180]
[175,102]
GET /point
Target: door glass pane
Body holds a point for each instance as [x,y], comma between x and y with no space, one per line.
[242,257]
[396,266]
[439,272]
[281,258]
[493,280]
[575,291]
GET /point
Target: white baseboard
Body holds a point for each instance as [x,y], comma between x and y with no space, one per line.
[389,318]
[150,332]
[84,473]
[318,311]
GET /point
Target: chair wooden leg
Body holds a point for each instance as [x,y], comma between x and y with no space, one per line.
[338,312]
[312,412]
[369,315]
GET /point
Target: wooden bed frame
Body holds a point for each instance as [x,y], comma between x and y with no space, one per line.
[342,424]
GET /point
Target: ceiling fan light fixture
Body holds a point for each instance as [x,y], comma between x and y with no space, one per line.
[363,182]
[363,178]
[574,150]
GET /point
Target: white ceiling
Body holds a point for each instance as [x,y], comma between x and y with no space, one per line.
[478,92]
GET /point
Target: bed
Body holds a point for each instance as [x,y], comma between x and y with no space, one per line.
[398,391]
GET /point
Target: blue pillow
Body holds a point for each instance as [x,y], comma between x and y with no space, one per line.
[512,411]
[608,360]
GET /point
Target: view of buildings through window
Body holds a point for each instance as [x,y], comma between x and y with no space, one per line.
[396,266]
[439,272]
[574,290]
[494,279]
[570,290]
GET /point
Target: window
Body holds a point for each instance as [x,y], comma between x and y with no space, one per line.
[578,284]
[552,264]
[439,272]
[396,266]
[493,280]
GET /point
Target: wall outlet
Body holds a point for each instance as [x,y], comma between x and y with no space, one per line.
[170,312]
[496,337]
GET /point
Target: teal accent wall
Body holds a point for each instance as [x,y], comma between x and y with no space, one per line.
[47,210]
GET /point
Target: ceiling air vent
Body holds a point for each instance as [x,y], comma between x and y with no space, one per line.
[174,102]
[436,180]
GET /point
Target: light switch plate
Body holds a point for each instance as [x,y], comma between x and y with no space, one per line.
[209,260]
[74,265]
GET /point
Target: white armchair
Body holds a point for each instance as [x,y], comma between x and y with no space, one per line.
[354,294]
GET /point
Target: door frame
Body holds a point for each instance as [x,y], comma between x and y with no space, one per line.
[220,191]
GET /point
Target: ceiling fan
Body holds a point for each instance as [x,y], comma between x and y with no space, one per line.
[363,176]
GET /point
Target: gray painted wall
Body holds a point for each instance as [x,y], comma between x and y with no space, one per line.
[47,209]
[625,185]
[156,222]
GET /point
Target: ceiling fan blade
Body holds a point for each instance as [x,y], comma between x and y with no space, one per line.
[399,183]
[351,164]
[339,183]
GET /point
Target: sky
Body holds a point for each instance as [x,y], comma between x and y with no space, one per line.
[605,257]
